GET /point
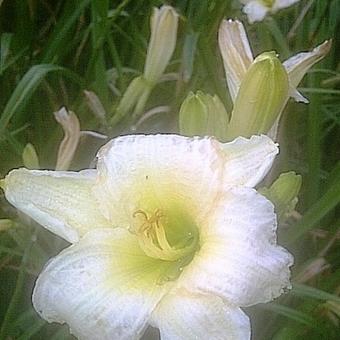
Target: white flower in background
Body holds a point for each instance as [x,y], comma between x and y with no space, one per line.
[237,58]
[253,83]
[163,24]
[168,231]
[256,10]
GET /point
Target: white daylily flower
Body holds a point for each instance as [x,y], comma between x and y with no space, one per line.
[167,231]
[239,62]
[236,53]
[256,10]
[237,58]
[164,23]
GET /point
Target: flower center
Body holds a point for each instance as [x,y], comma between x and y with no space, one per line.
[166,235]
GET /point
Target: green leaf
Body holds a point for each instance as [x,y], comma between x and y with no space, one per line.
[289,313]
[303,291]
[316,212]
[5,43]
[25,88]
[56,45]
[33,329]
[18,290]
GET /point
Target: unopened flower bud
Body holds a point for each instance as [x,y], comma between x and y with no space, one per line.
[30,157]
[134,98]
[164,23]
[261,98]
[202,114]
[283,193]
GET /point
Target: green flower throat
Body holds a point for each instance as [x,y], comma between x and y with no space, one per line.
[169,235]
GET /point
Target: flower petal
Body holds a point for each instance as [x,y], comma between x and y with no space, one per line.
[255,11]
[68,146]
[239,259]
[104,286]
[298,65]
[247,161]
[185,316]
[297,96]
[279,4]
[236,53]
[62,202]
[164,23]
[170,169]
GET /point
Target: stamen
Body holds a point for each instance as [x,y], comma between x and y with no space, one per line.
[153,239]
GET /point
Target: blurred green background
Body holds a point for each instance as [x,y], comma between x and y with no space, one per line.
[53,51]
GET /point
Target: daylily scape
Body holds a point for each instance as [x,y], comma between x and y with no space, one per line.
[167,231]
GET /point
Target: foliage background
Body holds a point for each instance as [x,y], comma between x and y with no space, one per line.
[51,51]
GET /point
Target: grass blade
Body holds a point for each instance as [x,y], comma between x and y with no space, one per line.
[72,12]
[11,310]
[26,87]
[24,90]
[314,293]
[316,212]
[290,313]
